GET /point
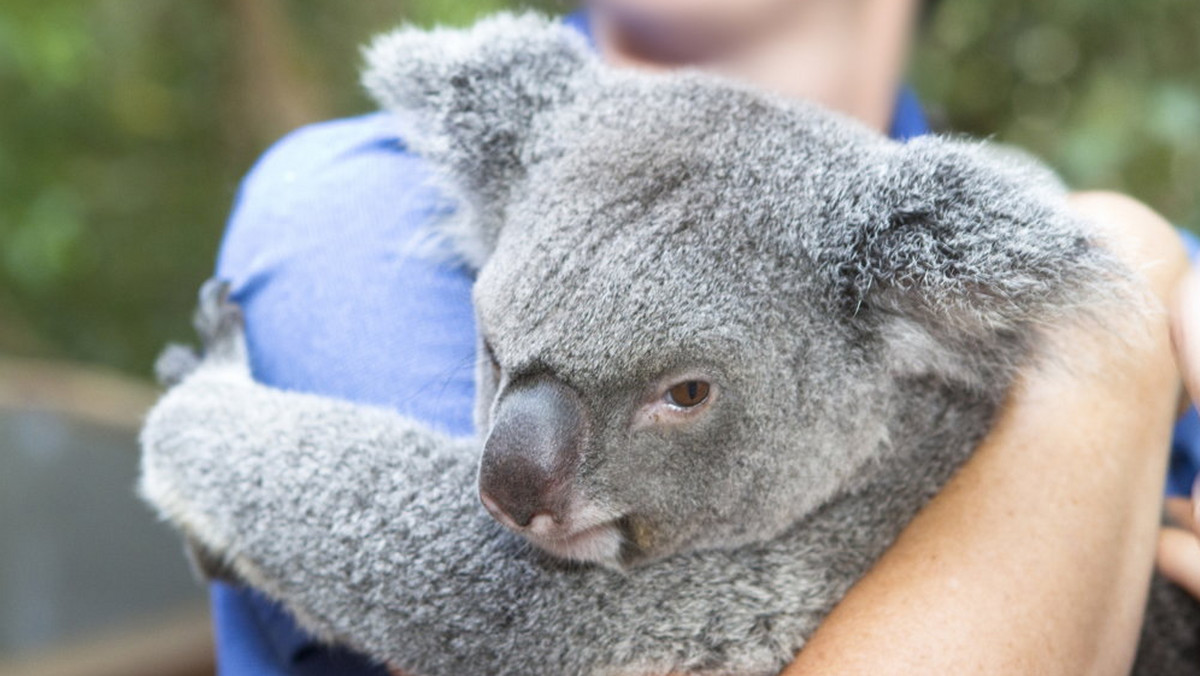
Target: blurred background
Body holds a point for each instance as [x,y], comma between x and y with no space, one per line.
[125,126]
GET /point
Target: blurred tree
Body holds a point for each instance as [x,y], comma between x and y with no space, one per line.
[124,130]
[1106,91]
[125,127]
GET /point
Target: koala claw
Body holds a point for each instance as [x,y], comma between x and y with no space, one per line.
[207,564]
[217,318]
[218,322]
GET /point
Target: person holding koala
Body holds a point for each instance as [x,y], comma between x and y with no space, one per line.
[1037,551]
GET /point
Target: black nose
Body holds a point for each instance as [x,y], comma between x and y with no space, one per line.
[532,452]
[517,491]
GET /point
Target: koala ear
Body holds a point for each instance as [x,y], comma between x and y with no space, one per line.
[964,242]
[467,100]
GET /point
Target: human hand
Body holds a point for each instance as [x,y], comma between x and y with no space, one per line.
[1179,545]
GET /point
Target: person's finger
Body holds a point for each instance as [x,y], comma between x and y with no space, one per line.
[1185,330]
[1182,513]
[1179,558]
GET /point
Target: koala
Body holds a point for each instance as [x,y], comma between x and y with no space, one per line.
[730,345]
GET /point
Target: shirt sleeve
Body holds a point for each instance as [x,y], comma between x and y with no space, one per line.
[1185,444]
[341,297]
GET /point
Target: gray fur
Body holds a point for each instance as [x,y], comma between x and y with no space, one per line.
[863,305]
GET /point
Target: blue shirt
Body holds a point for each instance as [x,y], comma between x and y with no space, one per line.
[318,251]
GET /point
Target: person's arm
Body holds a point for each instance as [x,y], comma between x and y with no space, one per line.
[1036,557]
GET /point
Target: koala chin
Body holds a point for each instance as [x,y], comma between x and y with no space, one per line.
[603,543]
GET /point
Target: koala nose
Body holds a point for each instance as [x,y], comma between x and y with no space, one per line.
[532,453]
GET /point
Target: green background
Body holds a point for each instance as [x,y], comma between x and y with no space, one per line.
[125,126]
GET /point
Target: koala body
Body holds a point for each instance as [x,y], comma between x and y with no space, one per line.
[731,345]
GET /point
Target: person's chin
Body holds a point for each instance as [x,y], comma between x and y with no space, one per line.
[711,17]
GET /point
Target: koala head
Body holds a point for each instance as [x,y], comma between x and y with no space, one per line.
[696,301]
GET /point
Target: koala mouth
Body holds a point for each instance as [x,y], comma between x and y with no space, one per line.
[601,543]
[581,531]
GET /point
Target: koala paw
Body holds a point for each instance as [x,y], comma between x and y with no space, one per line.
[218,321]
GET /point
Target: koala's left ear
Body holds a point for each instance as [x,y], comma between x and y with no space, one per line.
[964,242]
[468,99]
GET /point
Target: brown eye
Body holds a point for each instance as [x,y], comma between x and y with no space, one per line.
[688,393]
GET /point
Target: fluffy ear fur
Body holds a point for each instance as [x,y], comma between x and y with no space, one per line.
[468,99]
[967,243]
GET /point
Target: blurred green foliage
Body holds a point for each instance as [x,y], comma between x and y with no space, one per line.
[125,127]
[1106,91]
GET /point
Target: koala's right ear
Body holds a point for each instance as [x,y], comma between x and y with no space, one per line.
[467,100]
[964,246]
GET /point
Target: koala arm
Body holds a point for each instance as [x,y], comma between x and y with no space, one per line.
[1039,551]
[216,444]
[366,525]
[217,432]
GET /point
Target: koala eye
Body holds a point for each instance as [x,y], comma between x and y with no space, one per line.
[672,402]
[688,394]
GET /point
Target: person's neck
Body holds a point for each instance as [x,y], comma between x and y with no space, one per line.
[848,56]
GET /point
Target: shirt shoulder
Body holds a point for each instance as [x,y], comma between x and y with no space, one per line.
[306,185]
[327,253]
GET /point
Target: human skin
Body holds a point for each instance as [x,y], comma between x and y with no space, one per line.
[1037,556]
[848,55]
